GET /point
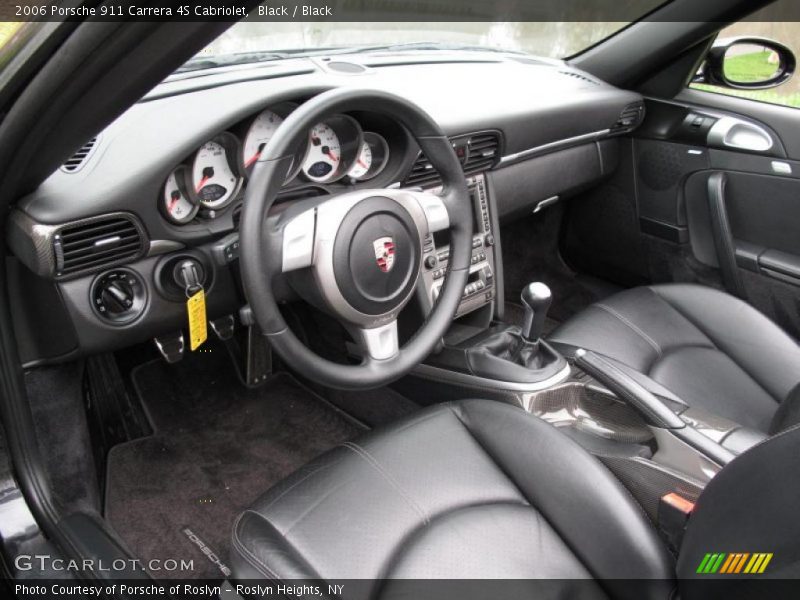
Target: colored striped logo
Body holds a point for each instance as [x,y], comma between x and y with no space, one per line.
[734,563]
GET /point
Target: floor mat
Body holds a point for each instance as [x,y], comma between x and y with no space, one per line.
[217,446]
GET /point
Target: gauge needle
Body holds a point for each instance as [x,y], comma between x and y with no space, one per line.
[330,154]
[202,183]
[362,163]
[172,204]
[252,159]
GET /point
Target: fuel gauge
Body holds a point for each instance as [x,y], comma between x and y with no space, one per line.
[176,203]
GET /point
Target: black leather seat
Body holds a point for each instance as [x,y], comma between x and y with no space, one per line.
[696,345]
[480,489]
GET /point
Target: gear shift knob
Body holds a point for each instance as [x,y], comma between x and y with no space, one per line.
[536,299]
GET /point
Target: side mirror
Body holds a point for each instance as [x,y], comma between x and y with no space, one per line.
[747,63]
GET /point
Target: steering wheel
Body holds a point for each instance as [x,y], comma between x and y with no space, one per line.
[355,255]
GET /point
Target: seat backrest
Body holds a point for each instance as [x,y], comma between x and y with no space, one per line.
[751,509]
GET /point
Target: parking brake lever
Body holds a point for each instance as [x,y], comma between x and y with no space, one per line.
[655,412]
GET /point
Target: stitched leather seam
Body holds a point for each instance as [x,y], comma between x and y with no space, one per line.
[388,477]
[317,501]
[714,344]
[454,408]
[614,481]
[251,558]
[402,544]
[296,483]
[625,321]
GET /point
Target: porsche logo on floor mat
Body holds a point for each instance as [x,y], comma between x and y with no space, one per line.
[205,549]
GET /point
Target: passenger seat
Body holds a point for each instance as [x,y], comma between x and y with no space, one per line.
[696,345]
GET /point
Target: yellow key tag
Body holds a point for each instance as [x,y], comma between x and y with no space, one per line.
[198,330]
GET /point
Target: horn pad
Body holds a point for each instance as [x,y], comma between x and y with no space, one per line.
[376,255]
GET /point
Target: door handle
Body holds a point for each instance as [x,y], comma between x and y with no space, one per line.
[722,234]
[729,132]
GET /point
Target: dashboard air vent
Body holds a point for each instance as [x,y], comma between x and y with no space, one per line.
[630,117]
[97,243]
[422,173]
[75,162]
[482,154]
[477,151]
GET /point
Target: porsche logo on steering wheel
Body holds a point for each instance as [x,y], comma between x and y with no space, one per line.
[384,253]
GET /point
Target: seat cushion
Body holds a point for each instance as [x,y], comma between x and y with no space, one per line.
[708,348]
[475,489]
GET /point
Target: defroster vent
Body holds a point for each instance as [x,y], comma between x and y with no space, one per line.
[75,162]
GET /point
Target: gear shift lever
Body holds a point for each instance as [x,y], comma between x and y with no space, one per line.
[536,299]
[505,353]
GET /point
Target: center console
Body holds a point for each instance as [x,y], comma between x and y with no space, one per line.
[480,290]
[657,446]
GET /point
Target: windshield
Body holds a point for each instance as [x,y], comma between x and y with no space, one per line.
[258,41]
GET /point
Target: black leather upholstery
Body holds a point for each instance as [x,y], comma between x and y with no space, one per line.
[475,489]
[707,348]
[750,506]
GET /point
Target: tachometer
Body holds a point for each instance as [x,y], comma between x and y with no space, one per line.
[215,179]
[261,131]
[371,159]
[176,201]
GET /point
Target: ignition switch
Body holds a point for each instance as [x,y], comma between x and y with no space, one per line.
[189,275]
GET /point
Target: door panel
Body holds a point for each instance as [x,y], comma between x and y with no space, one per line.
[746,239]
[740,206]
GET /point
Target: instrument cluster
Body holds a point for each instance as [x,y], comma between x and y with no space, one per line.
[213,177]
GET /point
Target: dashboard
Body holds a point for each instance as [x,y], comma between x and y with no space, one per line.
[103,242]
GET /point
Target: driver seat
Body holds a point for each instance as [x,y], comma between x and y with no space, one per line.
[483,490]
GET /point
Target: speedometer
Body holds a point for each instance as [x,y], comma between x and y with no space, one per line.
[324,154]
[214,178]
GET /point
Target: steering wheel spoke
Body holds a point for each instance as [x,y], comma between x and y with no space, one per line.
[379,343]
[434,208]
[298,241]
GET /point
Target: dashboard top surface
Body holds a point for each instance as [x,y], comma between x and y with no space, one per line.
[531,102]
